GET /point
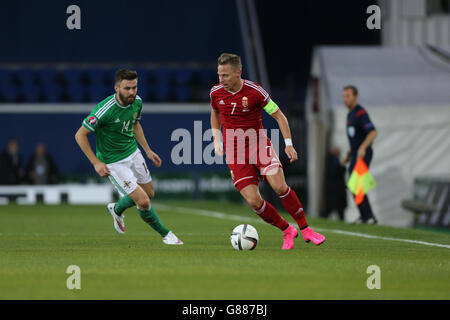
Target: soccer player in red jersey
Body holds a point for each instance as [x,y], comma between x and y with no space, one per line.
[236,107]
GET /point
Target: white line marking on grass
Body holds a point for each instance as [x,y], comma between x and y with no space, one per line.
[363,235]
[208,213]
[227,216]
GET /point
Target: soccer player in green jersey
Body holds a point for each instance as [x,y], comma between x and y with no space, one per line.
[115,121]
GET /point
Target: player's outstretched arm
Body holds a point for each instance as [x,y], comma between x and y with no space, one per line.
[283,124]
[83,142]
[140,137]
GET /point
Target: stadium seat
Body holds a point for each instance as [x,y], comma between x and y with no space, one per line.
[161,75]
[52,92]
[97,92]
[6,76]
[110,74]
[76,93]
[96,76]
[183,76]
[208,77]
[9,91]
[144,92]
[26,76]
[143,75]
[72,76]
[160,92]
[47,76]
[143,83]
[29,92]
[161,86]
[182,93]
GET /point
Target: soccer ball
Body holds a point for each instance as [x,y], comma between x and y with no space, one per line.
[244,237]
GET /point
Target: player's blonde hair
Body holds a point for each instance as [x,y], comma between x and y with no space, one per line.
[230,58]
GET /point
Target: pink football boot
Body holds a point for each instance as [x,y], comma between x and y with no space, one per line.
[310,235]
[288,235]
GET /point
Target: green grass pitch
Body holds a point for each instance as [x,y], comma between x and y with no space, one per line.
[38,243]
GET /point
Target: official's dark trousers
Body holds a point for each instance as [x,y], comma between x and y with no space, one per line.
[365,210]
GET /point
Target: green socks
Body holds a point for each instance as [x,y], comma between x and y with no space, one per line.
[122,204]
[151,217]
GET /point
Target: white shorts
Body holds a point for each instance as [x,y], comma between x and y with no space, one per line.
[126,174]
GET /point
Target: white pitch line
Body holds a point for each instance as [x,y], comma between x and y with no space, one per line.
[221,215]
[363,235]
[209,213]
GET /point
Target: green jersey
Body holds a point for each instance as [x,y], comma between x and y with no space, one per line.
[113,125]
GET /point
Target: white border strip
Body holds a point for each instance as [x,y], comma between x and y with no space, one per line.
[363,235]
[221,215]
[88,107]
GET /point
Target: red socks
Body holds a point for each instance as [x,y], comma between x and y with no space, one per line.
[294,207]
[268,213]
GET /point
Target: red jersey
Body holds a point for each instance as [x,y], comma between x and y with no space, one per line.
[241,109]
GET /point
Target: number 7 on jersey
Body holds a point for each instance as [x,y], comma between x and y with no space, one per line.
[234,107]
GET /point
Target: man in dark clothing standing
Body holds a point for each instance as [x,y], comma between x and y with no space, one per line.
[11,170]
[361,133]
[335,189]
[41,168]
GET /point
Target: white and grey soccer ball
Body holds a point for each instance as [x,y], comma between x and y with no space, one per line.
[244,237]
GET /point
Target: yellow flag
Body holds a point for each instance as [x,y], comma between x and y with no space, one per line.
[361,181]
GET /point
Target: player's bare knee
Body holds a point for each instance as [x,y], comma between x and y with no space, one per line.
[255,201]
[281,189]
[144,203]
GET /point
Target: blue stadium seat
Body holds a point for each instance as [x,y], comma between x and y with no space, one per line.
[183,76]
[143,92]
[97,76]
[52,92]
[143,75]
[76,93]
[9,91]
[161,92]
[97,92]
[208,77]
[47,76]
[72,76]
[161,85]
[182,93]
[6,76]
[110,74]
[26,76]
[143,83]
[161,75]
[30,92]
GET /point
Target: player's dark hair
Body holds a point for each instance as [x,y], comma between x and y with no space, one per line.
[125,74]
[353,88]
[230,58]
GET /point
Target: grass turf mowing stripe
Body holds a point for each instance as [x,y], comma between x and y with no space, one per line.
[221,215]
[39,242]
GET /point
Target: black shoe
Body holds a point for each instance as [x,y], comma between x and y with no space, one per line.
[371,220]
[358,221]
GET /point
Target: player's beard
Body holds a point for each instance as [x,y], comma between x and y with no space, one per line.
[126,100]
